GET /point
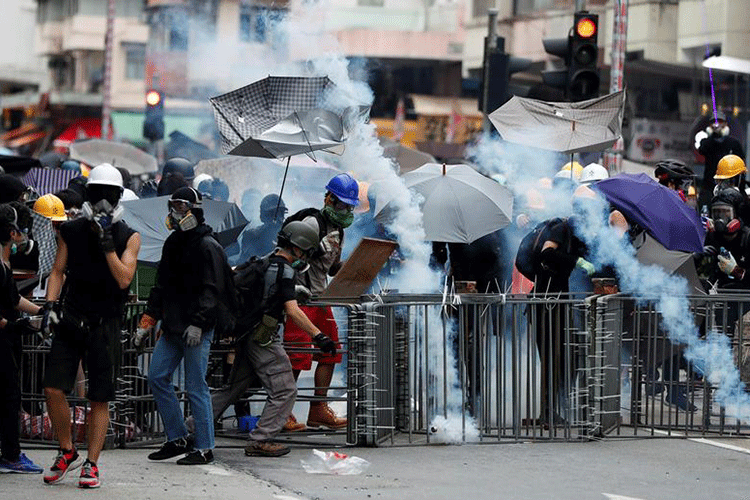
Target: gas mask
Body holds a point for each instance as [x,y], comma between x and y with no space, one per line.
[300,263]
[725,220]
[102,212]
[23,247]
[180,217]
[722,130]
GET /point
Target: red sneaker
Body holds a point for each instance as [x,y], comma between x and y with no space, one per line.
[89,475]
[64,462]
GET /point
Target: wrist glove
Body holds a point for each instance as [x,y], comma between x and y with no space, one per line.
[585,265]
[106,241]
[325,344]
[145,327]
[710,251]
[50,318]
[302,294]
[330,242]
[193,336]
[727,264]
[20,326]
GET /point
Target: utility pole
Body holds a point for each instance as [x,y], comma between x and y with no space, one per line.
[613,157]
[107,84]
[490,45]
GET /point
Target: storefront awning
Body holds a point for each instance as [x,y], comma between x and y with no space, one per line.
[83,128]
[430,105]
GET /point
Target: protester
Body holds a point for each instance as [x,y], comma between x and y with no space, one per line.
[72,201]
[342,195]
[193,279]
[15,220]
[260,240]
[177,173]
[713,148]
[96,258]
[675,175]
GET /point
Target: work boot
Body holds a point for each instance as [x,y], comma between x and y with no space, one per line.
[321,415]
[292,425]
[265,449]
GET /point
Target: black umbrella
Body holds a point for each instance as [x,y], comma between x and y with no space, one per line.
[182,146]
[18,164]
[148,216]
[649,251]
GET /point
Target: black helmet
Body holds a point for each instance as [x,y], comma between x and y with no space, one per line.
[179,165]
[268,208]
[304,234]
[672,170]
[730,197]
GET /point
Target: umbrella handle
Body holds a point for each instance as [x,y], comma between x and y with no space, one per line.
[311,154]
[283,181]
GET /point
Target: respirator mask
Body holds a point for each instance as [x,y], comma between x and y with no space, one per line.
[103,206]
[725,220]
[181,217]
[26,245]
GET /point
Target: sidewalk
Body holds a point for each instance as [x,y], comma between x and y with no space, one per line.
[128,475]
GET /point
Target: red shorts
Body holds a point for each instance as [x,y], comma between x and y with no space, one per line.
[322,317]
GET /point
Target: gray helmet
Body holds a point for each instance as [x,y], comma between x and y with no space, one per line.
[302,234]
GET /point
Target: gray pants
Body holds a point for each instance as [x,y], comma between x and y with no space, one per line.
[271,365]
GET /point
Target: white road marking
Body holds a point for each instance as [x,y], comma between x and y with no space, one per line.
[709,442]
[610,496]
[213,469]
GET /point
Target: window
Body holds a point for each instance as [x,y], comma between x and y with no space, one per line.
[256,23]
[135,61]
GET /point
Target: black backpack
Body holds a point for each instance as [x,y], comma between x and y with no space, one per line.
[530,249]
[252,292]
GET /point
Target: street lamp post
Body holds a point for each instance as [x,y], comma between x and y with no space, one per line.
[490,46]
[107,84]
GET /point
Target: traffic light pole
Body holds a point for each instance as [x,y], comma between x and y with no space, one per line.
[613,157]
[489,47]
[107,84]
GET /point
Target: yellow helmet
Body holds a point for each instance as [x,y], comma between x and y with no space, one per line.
[50,206]
[729,166]
[577,169]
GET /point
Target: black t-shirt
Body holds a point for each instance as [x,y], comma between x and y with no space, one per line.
[9,298]
[279,287]
[559,264]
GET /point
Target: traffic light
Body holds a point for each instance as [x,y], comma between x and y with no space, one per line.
[583,79]
[557,78]
[501,67]
[153,124]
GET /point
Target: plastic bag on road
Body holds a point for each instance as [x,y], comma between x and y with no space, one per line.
[332,462]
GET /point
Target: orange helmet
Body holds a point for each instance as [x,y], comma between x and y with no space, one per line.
[729,166]
[50,206]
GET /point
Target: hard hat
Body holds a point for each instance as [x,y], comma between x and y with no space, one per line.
[671,169]
[105,175]
[345,188]
[200,178]
[593,172]
[692,191]
[565,174]
[128,195]
[729,166]
[577,169]
[304,234]
[51,207]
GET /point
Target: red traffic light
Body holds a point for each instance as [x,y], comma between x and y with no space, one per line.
[153,97]
[586,27]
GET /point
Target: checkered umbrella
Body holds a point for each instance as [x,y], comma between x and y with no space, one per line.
[44,236]
[281,116]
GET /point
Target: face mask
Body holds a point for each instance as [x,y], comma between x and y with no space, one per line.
[24,247]
[102,212]
[341,218]
[177,221]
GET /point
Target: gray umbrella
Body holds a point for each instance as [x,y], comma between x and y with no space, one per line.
[649,251]
[96,151]
[407,158]
[567,127]
[460,204]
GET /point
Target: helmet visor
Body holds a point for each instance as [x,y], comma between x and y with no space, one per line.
[722,212]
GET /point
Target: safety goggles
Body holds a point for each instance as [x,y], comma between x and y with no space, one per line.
[722,212]
[340,206]
[181,206]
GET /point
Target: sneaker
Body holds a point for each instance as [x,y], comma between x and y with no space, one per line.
[292,425]
[64,463]
[22,465]
[197,457]
[265,449]
[323,416]
[89,475]
[171,449]
[678,397]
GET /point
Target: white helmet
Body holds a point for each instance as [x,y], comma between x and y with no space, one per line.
[200,178]
[105,175]
[128,195]
[593,172]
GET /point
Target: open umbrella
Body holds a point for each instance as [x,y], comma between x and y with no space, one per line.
[47,180]
[182,146]
[407,158]
[460,204]
[147,216]
[96,151]
[649,251]
[567,127]
[657,209]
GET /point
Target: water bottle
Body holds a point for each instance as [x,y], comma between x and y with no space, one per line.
[724,252]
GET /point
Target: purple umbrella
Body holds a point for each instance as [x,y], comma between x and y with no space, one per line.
[657,209]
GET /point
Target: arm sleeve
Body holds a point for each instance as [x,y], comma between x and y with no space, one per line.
[204,315]
[155,297]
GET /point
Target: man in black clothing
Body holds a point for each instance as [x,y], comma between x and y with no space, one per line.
[15,220]
[259,240]
[96,259]
[717,145]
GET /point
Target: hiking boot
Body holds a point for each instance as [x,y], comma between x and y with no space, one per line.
[678,397]
[322,415]
[292,425]
[265,449]
[197,457]
[65,462]
[22,465]
[173,448]
[89,475]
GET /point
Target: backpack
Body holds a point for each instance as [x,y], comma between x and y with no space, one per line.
[252,292]
[530,248]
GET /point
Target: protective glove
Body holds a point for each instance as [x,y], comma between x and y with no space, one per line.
[710,251]
[20,326]
[145,327]
[106,241]
[325,344]
[330,242]
[727,264]
[193,336]
[50,318]
[585,265]
[302,294]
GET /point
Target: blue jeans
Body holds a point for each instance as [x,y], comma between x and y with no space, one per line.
[169,351]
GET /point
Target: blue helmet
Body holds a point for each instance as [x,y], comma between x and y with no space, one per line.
[345,188]
[71,165]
